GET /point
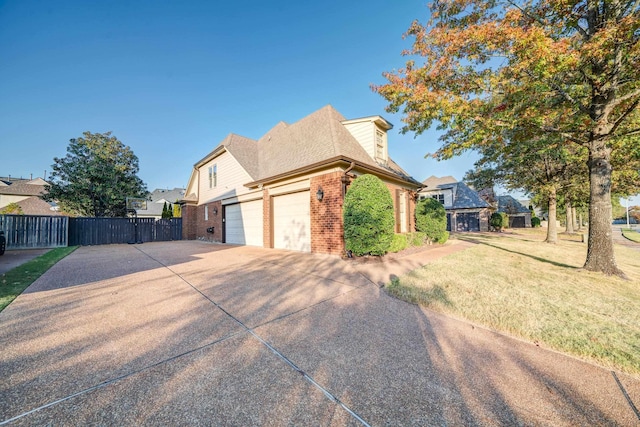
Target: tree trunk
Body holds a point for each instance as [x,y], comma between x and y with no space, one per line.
[574,217]
[600,255]
[552,229]
[569,218]
[580,221]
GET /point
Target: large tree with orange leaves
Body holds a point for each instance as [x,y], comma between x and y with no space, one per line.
[482,69]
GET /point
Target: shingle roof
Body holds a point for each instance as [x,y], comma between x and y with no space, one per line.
[434,182]
[313,139]
[154,207]
[22,188]
[36,206]
[508,204]
[466,198]
[316,137]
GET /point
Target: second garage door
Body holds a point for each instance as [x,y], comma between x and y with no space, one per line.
[292,222]
[243,223]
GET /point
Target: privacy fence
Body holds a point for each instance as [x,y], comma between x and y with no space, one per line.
[31,231]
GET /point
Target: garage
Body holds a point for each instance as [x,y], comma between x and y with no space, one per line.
[243,223]
[292,222]
[468,221]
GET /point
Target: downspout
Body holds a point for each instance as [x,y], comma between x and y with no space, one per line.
[346,179]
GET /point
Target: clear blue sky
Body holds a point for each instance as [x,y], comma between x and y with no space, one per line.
[171,79]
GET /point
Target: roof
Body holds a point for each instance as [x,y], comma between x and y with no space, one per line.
[314,139]
[158,196]
[23,187]
[434,182]
[34,205]
[509,205]
[464,197]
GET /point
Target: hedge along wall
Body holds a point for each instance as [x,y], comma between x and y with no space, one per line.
[368,217]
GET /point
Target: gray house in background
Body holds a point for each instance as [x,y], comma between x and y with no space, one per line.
[157,200]
[519,215]
[466,210]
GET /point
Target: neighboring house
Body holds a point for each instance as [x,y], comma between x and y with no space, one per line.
[466,210]
[286,189]
[157,200]
[26,194]
[519,215]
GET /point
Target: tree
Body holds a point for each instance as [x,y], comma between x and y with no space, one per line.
[95,177]
[177,210]
[368,217]
[569,69]
[12,209]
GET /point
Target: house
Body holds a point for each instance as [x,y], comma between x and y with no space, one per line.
[286,189]
[466,210]
[26,194]
[158,198]
[519,215]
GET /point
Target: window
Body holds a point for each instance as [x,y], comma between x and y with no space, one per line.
[439,197]
[206,212]
[379,144]
[213,176]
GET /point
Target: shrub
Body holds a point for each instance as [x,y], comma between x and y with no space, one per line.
[535,221]
[368,217]
[416,239]
[499,220]
[431,219]
[398,243]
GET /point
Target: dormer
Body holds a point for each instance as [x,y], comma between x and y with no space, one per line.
[371,134]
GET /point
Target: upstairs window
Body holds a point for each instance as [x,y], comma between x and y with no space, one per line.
[439,197]
[379,144]
[213,176]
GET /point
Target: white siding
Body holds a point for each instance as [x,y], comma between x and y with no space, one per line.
[230,180]
[363,132]
[243,223]
[292,221]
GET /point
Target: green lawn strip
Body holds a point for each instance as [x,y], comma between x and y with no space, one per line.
[538,292]
[13,282]
[631,234]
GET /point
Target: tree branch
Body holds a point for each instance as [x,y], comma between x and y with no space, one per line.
[565,135]
[624,115]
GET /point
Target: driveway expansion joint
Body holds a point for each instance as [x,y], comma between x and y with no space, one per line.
[626,395]
[275,351]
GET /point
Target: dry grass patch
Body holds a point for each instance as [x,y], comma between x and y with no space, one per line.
[515,283]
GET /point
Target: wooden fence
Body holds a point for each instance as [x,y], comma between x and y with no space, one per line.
[34,231]
[106,231]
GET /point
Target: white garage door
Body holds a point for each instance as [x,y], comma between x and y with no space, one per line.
[243,223]
[292,222]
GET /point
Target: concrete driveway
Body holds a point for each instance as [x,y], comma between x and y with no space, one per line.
[188,333]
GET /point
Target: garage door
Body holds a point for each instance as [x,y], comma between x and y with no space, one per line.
[243,223]
[467,222]
[292,222]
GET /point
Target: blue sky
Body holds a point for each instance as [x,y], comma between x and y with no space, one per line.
[171,79]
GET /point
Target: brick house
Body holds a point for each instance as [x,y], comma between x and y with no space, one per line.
[466,209]
[286,189]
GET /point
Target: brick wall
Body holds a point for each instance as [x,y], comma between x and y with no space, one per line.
[327,233]
[189,219]
[214,220]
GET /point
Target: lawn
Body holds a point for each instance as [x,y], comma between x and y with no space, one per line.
[13,282]
[631,234]
[515,283]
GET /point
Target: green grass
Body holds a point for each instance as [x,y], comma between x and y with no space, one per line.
[515,283]
[13,282]
[631,234]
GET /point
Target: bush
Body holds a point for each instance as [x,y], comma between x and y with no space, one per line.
[398,243]
[368,217]
[416,239]
[535,222]
[499,220]
[431,219]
